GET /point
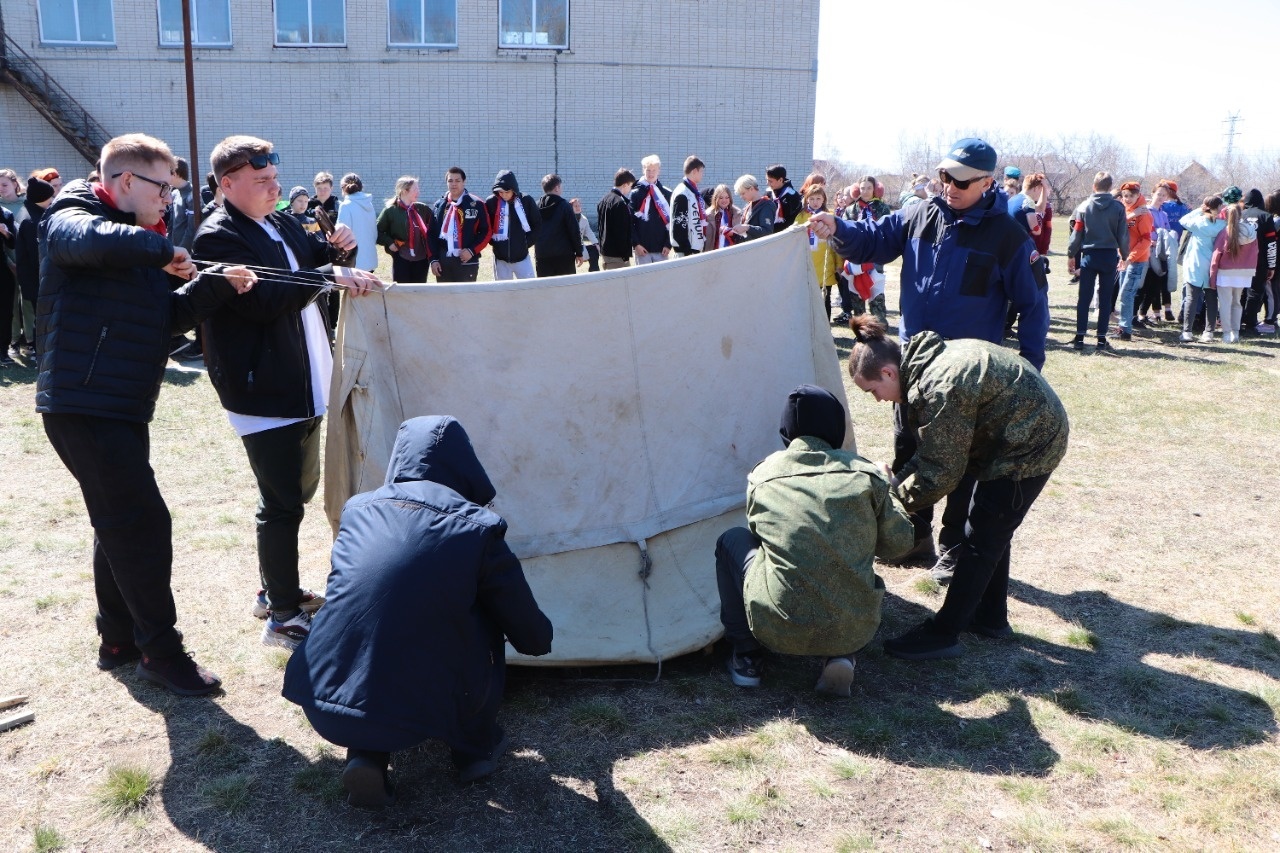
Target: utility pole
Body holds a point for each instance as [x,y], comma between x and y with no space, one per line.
[194,163]
[1231,122]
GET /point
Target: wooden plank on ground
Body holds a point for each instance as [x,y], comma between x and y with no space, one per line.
[14,720]
[10,701]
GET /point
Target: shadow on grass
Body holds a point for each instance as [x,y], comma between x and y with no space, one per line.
[229,789]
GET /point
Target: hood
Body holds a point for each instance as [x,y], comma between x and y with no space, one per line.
[813,411]
[438,449]
[918,354]
[1099,202]
[506,180]
[1253,198]
[549,202]
[80,193]
[362,200]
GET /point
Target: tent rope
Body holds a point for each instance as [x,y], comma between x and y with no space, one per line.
[646,569]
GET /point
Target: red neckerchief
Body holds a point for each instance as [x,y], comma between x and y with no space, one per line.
[860,274]
[104,195]
[415,223]
[649,200]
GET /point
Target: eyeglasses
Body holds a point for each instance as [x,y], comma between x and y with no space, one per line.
[165,189]
[257,161]
[946,178]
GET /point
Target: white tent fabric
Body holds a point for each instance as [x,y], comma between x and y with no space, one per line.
[617,413]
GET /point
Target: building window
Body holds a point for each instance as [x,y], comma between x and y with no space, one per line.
[422,23]
[311,23]
[533,24]
[77,22]
[210,23]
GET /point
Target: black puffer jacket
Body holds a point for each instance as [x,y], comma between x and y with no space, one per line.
[254,346]
[515,248]
[26,249]
[106,309]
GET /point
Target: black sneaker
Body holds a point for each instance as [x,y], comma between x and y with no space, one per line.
[1077,343]
[6,360]
[476,770]
[365,780]
[180,674]
[993,632]
[1124,336]
[744,669]
[924,642]
[111,655]
[1103,346]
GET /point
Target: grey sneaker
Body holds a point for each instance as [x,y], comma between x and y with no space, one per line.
[837,677]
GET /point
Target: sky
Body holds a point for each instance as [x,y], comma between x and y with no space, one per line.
[1150,74]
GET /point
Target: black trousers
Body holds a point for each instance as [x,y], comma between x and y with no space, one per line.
[1255,302]
[454,270]
[132,529]
[554,265]
[286,463]
[8,286]
[409,272]
[979,589]
[735,549]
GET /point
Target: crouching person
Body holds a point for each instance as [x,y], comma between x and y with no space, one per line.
[800,581]
[422,592]
[989,426]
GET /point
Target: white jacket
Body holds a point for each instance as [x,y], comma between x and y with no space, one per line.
[356,212]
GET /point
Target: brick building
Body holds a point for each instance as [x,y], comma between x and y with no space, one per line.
[391,87]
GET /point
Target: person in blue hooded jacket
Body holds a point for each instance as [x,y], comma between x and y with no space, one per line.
[422,593]
[964,260]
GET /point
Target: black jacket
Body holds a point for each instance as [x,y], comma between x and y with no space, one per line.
[516,247]
[560,236]
[26,250]
[652,233]
[475,226]
[614,224]
[106,309]
[423,590]
[254,345]
[1254,213]
[790,202]
[759,218]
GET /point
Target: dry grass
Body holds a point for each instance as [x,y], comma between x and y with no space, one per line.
[1136,707]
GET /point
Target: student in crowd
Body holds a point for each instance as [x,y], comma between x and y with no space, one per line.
[689,210]
[1252,211]
[724,220]
[784,195]
[559,249]
[298,201]
[824,259]
[324,197]
[1139,224]
[1202,227]
[424,593]
[460,231]
[1161,269]
[1232,268]
[1099,242]
[651,203]
[589,242]
[615,222]
[989,426]
[800,578]
[356,212]
[514,223]
[404,231]
[761,212]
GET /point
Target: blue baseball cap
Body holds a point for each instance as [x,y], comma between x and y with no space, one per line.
[969,158]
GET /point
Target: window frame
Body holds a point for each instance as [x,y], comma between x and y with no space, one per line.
[195,24]
[568,29]
[423,45]
[111,4]
[275,28]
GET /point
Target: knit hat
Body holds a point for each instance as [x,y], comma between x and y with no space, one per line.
[38,191]
[46,174]
[1012,172]
[814,411]
[297,191]
[1231,195]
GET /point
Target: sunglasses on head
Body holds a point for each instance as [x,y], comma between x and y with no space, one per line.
[257,161]
[946,178]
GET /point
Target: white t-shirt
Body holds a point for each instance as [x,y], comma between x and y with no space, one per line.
[318,354]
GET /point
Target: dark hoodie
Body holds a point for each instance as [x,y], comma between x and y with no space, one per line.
[1254,211]
[559,237]
[814,411]
[422,591]
[515,247]
[1100,223]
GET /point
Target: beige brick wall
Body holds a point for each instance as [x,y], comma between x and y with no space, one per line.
[729,81]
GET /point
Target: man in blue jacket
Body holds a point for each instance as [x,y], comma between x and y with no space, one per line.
[422,593]
[964,259]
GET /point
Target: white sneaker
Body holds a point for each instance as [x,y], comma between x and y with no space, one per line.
[837,677]
[1207,337]
[1186,337]
[288,634]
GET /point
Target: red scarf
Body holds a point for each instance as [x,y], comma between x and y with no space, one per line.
[861,276]
[104,195]
[416,225]
[650,201]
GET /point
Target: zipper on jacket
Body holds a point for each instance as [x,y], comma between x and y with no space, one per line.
[250,381]
[93,362]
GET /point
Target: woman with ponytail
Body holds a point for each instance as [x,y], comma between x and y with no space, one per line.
[404,229]
[1202,227]
[990,427]
[1231,270]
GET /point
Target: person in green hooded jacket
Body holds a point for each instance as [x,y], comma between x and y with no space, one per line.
[801,579]
[986,421]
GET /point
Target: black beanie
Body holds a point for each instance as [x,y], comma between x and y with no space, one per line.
[814,411]
[39,191]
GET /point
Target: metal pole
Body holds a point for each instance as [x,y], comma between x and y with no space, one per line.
[194,164]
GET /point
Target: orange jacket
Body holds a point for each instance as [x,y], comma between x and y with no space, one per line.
[1141,227]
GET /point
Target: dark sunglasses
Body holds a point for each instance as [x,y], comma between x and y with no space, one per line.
[946,178]
[257,161]
[165,189]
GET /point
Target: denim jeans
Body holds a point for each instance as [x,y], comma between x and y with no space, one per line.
[1134,273]
[735,549]
[1096,267]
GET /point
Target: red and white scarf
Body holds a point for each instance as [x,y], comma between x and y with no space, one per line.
[658,202]
[864,281]
[504,218]
[724,228]
[779,216]
[451,227]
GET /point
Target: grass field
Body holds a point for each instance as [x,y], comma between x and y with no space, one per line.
[1136,708]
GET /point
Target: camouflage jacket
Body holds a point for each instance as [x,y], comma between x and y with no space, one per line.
[980,409]
[821,515]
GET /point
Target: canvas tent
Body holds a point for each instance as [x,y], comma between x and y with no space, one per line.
[617,413]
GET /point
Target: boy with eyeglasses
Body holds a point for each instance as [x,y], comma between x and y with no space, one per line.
[964,259]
